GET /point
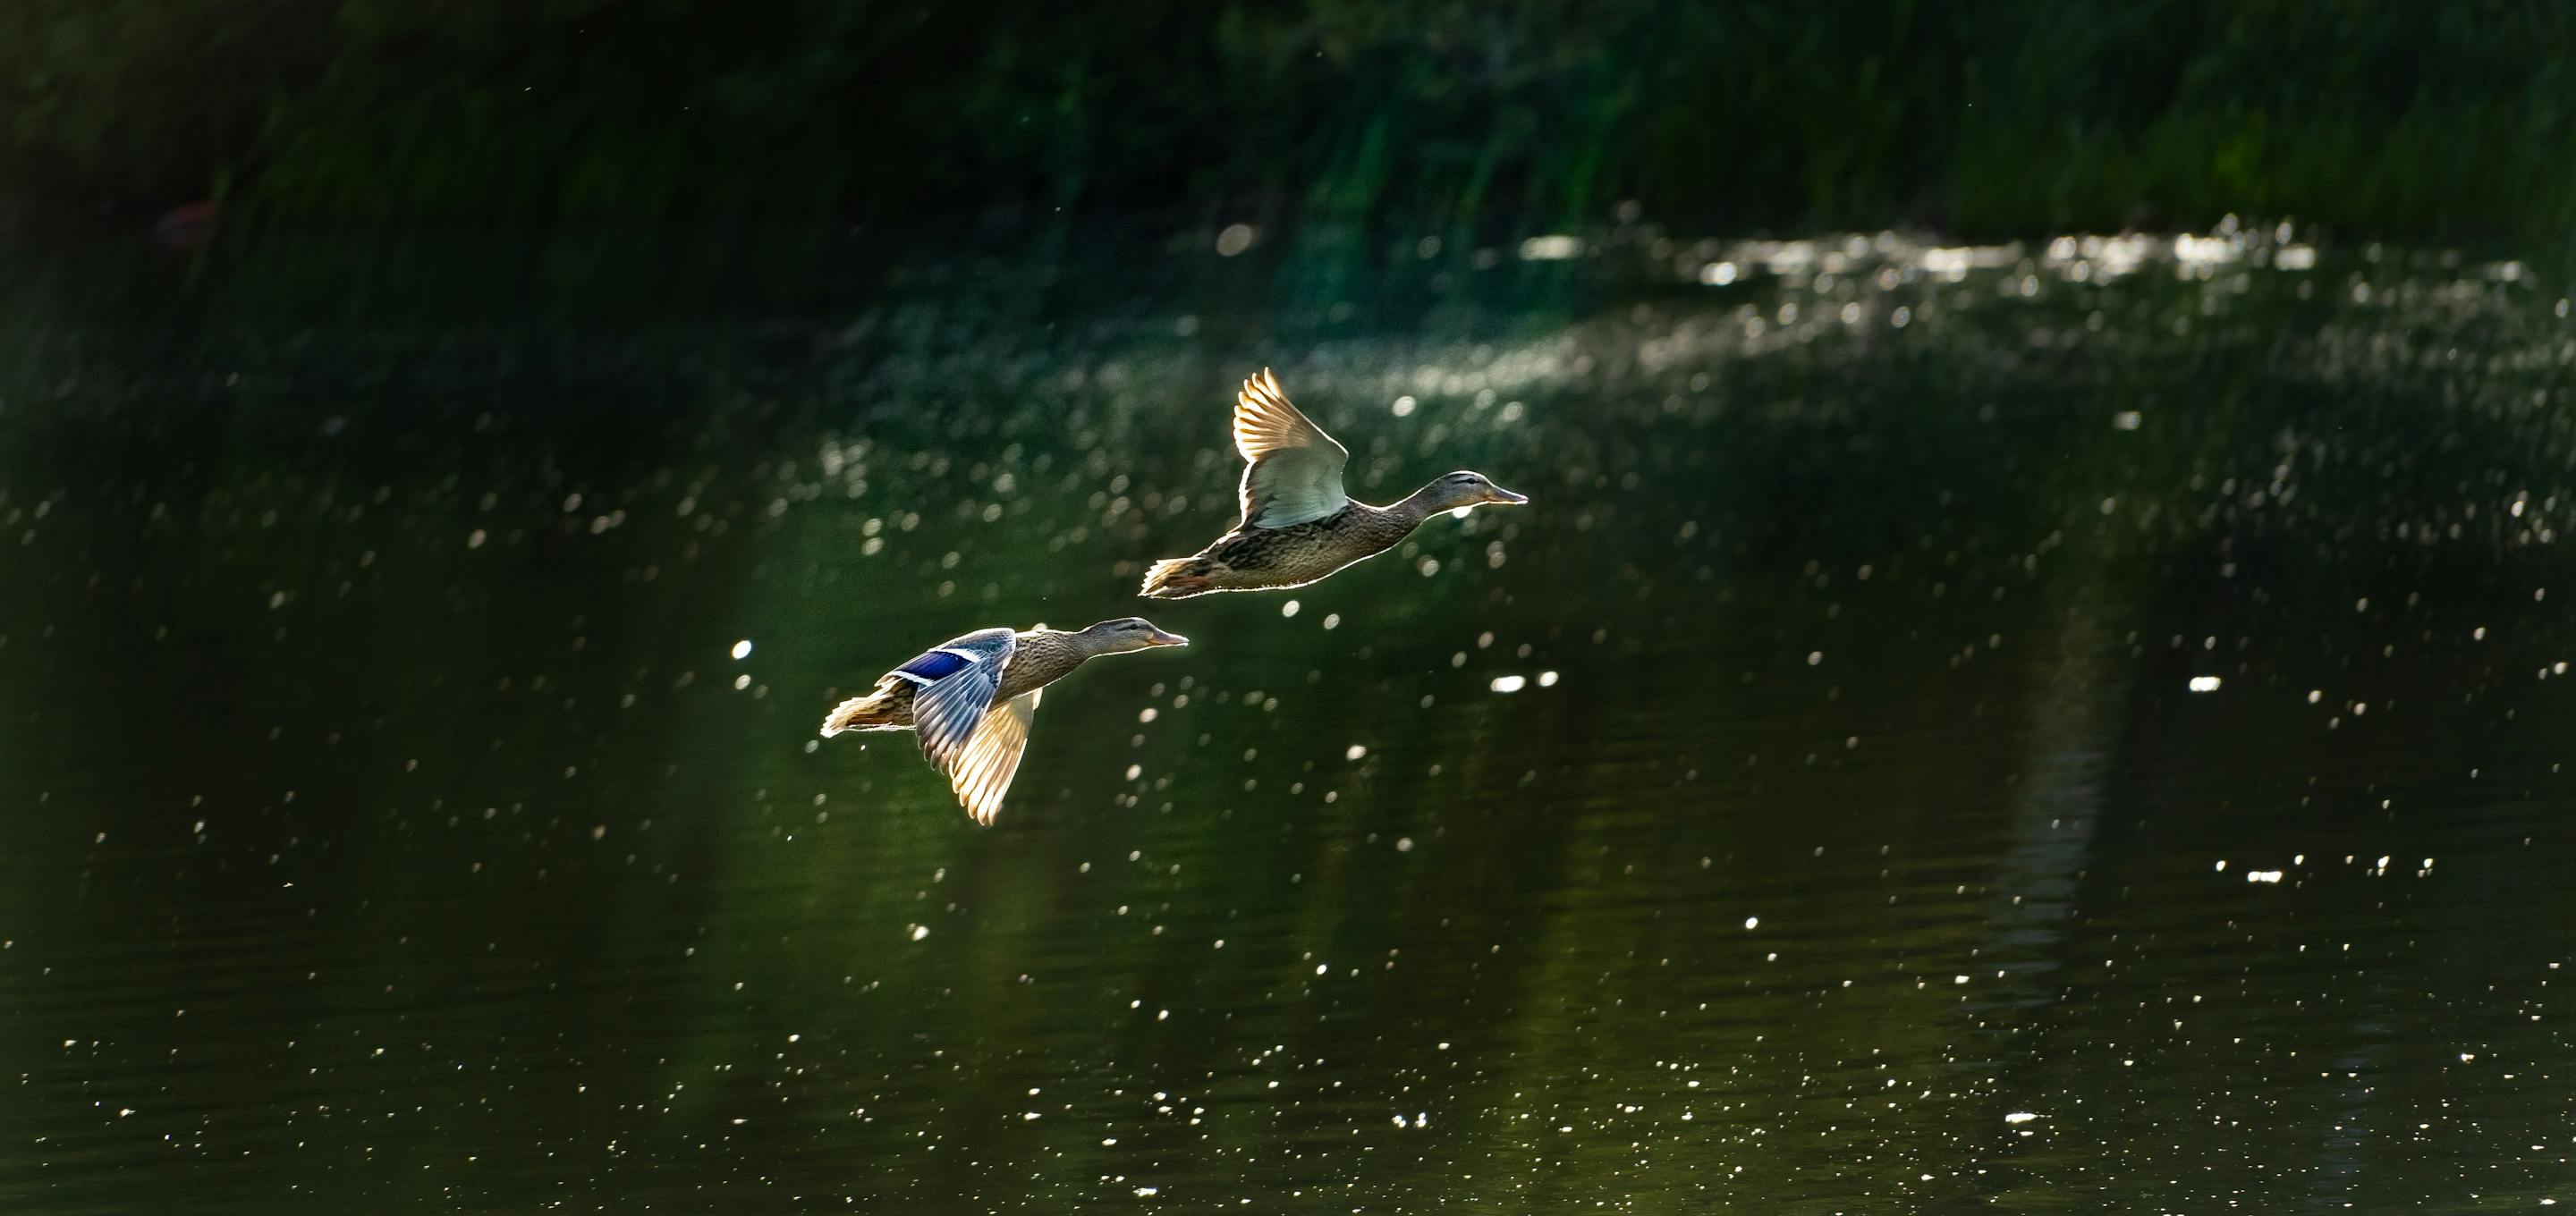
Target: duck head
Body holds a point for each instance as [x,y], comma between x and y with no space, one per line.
[1127,633]
[1460,490]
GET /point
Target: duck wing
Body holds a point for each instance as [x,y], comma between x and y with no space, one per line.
[958,678]
[992,756]
[1294,469]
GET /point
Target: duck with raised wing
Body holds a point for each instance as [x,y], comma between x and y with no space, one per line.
[970,698]
[1298,526]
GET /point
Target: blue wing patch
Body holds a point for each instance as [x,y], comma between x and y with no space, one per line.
[934,665]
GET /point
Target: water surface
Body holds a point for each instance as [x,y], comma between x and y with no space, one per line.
[2066,727]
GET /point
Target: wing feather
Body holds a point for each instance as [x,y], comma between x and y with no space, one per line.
[1293,470]
[983,773]
[947,712]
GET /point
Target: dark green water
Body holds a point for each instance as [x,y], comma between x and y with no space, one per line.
[386,824]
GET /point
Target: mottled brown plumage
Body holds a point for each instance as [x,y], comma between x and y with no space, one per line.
[1298,526]
[1261,559]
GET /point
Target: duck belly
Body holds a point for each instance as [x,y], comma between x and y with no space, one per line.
[1263,559]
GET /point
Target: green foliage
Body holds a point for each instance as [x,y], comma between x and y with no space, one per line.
[806,116]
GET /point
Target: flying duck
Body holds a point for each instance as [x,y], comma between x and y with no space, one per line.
[1298,525]
[971,698]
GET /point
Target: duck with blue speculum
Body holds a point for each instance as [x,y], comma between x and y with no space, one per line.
[971,698]
[1298,525]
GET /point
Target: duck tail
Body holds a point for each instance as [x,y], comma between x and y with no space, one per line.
[1179,578]
[874,711]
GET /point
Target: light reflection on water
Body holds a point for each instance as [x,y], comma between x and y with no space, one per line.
[1808,804]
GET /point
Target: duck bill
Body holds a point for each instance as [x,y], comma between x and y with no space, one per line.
[1164,637]
[1506,497]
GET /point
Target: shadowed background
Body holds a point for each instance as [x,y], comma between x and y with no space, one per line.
[666,146]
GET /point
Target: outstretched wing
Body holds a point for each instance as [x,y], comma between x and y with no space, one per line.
[951,704]
[1294,474]
[983,773]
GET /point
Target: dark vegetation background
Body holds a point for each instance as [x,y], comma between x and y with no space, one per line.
[795,127]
